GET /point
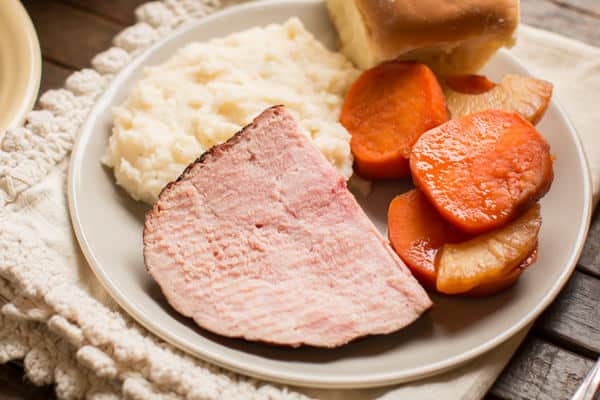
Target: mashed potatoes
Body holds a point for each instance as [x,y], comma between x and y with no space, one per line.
[208,91]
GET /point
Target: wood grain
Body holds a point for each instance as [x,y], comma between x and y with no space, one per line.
[546,14]
[541,371]
[53,75]
[69,36]
[582,6]
[575,315]
[119,11]
[590,258]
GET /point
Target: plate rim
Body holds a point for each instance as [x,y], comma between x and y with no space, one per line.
[34,75]
[250,368]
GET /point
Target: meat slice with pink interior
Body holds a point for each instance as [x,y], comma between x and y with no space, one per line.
[260,239]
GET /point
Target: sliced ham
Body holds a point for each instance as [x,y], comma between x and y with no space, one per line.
[261,239]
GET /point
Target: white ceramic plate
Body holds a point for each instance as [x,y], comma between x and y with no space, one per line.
[109,224]
[20,64]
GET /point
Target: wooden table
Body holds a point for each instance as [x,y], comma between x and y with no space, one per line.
[564,342]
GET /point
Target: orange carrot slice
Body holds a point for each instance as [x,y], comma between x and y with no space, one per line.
[417,231]
[481,170]
[385,111]
[469,84]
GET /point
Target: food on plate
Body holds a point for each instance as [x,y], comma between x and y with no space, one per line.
[476,266]
[417,231]
[207,91]
[468,94]
[453,37]
[467,84]
[481,170]
[490,257]
[385,111]
[260,239]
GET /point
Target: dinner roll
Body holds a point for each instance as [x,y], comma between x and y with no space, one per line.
[451,36]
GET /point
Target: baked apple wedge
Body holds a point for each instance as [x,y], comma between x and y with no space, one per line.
[418,232]
[489,258]
[491,288]
[468,94]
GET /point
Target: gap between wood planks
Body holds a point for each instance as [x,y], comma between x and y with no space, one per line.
[586,271]
[573,319]
[541,370]
[564,343]
[58,63]
[589,10]
[69,36]
[117,11]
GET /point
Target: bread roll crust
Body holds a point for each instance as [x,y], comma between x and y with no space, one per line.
[402,26]
[453,36]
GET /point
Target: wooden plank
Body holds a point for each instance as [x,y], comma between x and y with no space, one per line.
[13,385]
[541,371]
[68,35]
[583,6]
[53,76]
[119,11]
[575,315]
[550,16]
[590,257]
[590,5]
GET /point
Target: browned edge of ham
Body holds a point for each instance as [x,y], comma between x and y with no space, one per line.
[260,239]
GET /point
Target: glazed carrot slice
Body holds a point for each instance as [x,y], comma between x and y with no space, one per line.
[469,84]
[417,231]
[385,111]
[480,171]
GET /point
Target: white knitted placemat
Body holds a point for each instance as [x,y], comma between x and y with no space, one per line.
[57,318]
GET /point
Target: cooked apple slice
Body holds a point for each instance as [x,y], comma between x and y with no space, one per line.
[491,288]
[490,257]
[468,94]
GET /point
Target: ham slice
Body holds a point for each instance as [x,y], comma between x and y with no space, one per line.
[260,239]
